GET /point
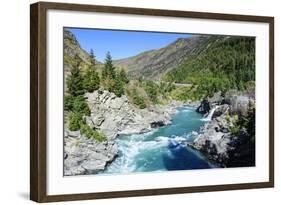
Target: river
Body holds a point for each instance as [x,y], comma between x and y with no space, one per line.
[161,149]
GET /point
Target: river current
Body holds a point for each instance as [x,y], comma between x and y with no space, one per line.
[162,149]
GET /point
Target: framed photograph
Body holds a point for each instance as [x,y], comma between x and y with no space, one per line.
[134,102]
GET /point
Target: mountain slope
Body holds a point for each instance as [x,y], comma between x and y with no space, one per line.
[226,63]
[72,48]
[225,57]
[153,64]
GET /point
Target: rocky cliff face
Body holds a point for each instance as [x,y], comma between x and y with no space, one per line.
[222,141]
[153,64]
[114,115]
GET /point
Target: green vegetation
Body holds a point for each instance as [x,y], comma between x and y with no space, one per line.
[136,98]
[118,86]
[123,76]
[151,89]
[91,81]
[112,80]
[185,93]
[244,121]
[226,62]
[76,104]
[165,87]
[235,129]
[154,93]
[248,120]
[108,71]
[74,121]
[88,132]
[75,80]
[88,80]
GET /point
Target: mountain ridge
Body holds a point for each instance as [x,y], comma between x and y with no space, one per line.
[153,64]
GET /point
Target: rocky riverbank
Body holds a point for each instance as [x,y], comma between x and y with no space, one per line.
[228,139]
[86,156]
[116,115]
[111,116]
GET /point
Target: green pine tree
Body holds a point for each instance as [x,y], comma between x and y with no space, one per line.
[75,80]
[92,57]
[117,86]
[91,80]
[109,69]
[123,76]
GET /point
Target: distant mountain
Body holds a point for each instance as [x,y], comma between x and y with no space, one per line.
[154,64]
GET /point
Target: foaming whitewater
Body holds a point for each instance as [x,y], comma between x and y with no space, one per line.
[161,149]
[129,148]
[210,115]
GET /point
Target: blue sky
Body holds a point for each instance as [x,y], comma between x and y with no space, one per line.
[122,44]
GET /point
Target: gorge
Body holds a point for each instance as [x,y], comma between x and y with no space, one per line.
[189,105]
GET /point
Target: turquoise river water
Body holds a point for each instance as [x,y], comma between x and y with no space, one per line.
[162,149]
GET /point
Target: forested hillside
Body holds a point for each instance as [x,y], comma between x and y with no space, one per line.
[225,63]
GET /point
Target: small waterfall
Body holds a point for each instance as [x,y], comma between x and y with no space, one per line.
[210,115]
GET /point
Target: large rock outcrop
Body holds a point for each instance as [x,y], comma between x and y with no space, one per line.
[223,140]
[115,115]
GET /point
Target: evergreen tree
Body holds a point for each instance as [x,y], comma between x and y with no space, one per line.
[91,80]
[93,57]
[118,87]
[123,76]
[75,80]
[109,69]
